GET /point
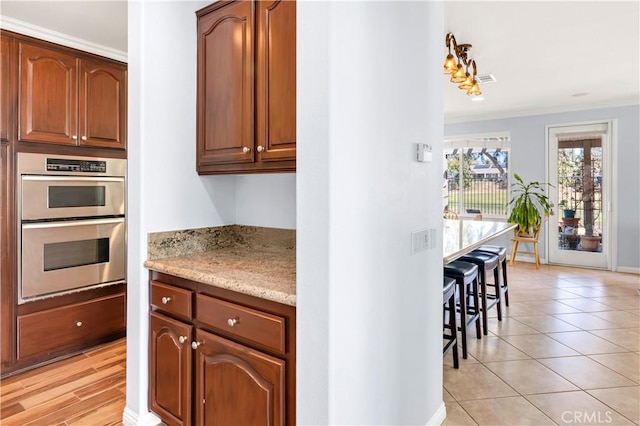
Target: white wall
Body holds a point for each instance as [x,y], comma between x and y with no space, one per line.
[164,191]
[266,200]
[369,312]
[527,158]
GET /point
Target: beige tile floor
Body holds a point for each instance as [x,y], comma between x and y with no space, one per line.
[566,352]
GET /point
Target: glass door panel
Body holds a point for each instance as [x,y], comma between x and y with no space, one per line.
[576,164]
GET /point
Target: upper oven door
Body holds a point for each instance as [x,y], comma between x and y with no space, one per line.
[53,197]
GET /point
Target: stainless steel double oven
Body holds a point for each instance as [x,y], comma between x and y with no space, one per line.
[71,232]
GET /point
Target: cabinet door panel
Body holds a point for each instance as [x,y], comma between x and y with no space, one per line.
[48,96]
[170,369]
[276,80]
[6,98]
[237,385]
[102,105]
[225,85]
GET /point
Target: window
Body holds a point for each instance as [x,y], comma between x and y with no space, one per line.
[477,176]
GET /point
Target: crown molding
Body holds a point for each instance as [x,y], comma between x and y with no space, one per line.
[454,119]
[46,34]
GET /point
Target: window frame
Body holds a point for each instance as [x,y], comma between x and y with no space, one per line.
[490,142]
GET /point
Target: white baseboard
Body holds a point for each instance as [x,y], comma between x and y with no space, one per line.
[628,270]
[131,418]
[526,259]
[439,416]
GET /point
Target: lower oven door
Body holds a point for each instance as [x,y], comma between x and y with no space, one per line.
[65,256]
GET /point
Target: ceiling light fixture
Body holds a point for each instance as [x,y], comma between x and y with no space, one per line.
[458,66]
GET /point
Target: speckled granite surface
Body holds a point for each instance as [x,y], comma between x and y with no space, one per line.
[257,261]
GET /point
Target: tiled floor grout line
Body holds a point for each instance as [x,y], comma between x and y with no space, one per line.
[586,324]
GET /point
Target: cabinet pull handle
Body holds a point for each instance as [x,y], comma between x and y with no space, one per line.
[79,324]
[84,138]
[260,148]
[194,345]
[166,300]
[246,149]
[182,339]
[74,137]
[232,321]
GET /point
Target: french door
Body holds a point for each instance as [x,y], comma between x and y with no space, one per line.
[579,169]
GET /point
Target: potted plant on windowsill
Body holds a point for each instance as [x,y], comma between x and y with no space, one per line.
[529,204]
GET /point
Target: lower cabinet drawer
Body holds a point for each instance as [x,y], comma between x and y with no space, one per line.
[70,326]
[171,299]
[236,320]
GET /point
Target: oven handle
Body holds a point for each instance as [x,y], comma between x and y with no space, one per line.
[73,178]
[65,224]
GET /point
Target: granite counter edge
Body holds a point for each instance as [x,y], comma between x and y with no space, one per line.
[204,277]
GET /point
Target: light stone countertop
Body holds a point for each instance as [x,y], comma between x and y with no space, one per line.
[252,265]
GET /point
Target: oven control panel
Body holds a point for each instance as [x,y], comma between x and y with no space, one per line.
[73,165]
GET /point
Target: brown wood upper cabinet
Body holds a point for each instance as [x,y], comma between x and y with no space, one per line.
[5,95]
[246,103]
[68,100]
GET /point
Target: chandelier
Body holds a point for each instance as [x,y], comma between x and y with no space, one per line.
[459,66]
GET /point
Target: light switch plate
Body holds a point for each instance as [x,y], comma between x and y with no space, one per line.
[424,154]
[422,240]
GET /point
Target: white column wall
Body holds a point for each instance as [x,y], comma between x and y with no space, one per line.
[369,88]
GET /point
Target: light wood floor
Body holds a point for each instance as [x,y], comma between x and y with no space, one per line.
[87,389]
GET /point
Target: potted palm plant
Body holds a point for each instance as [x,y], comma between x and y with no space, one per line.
[529,204]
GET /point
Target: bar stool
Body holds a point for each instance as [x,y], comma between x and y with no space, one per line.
[501,252]
[466,276]
[486,263]
[449,308]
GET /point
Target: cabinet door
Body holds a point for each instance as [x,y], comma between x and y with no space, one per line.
[276,80]
[237,385]
[5,97]
[102,105]
[48,96]
[170,369]
[225,86]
